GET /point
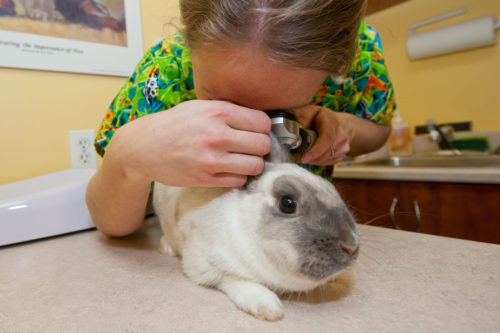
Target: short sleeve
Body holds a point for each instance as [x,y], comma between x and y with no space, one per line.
[161,80]
[366,90]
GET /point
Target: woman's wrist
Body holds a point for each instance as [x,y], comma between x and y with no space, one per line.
[346,123]
[117,198]
[364,135]
[123,158]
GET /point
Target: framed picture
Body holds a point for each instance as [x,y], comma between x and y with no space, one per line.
[83,36]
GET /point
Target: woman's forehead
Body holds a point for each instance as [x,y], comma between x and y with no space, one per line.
[245,75]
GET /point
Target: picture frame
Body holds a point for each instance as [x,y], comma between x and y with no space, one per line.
[85,38]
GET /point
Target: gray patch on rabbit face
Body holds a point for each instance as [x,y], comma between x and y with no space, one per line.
[317,230]
[321,250]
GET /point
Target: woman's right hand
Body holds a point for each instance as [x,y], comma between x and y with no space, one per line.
[196,143]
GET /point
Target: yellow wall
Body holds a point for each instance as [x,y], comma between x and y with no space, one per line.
[39,108]
[447,88]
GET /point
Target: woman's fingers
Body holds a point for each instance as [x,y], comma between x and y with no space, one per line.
[230,170]
[330,155]
[249,143]
[228,180]
[242,131]
[242,164]
[245,119]
[332,143]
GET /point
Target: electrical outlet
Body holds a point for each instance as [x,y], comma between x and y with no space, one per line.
[83,154]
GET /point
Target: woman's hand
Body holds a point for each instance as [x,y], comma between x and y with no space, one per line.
[339,133]
[196,143]
[333,140]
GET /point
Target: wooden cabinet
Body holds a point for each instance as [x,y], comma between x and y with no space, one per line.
[467,211]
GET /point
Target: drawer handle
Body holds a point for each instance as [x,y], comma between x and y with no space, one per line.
[391,212]
[417,214]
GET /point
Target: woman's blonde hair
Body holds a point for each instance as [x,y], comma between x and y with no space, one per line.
[313,34]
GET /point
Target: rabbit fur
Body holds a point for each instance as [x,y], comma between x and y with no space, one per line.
[242,243]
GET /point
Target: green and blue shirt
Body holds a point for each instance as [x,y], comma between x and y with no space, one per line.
[164,79]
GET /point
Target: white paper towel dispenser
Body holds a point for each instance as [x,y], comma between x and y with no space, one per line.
[452,38]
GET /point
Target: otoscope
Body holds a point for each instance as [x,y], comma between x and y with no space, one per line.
[287,128]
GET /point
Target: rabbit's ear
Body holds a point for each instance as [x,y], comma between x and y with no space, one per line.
[278,153]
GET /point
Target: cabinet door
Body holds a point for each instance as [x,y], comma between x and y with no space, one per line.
[467,211]
[386,203]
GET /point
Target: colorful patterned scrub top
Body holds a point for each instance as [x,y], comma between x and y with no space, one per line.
[164,79]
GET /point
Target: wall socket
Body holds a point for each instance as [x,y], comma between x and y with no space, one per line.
[83,155]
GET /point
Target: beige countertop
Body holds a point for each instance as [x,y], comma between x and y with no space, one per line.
[430,174]
[402,282]
[422,145]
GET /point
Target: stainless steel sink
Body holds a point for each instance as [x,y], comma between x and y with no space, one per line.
[434,161]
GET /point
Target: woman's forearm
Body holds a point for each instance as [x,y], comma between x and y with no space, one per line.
[116,199]
[364,135]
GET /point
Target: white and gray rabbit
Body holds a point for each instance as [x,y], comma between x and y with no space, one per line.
[286,230]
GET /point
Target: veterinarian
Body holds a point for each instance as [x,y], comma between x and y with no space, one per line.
[232,61]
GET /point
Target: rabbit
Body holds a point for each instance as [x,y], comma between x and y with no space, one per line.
[286,230]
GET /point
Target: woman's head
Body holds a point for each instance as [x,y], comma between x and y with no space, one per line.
[312,34]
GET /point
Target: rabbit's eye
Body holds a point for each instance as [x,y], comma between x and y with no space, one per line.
[287,205]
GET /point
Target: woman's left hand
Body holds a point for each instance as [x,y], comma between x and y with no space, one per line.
[334,135]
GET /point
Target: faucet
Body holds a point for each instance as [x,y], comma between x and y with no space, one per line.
[442,135]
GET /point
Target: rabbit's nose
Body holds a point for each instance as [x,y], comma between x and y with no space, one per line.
[348,251]
[351,251]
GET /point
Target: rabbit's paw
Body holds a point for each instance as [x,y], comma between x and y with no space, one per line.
[253,298]
[165,248]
